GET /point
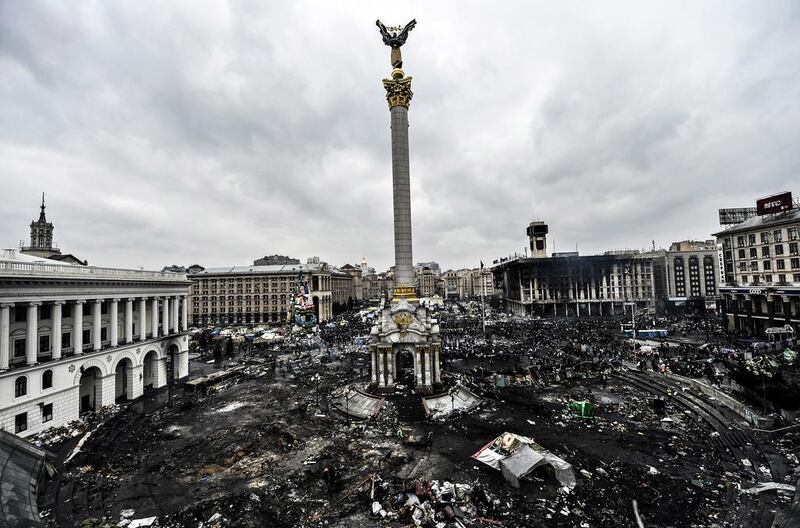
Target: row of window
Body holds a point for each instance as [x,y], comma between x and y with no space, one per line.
[768,278]
[766,253]
[21,383]
[780,264]
[767,237]
[21,420]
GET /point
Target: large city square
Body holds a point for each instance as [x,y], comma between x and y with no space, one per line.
[589,319]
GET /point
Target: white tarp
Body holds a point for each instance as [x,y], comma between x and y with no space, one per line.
[517,456]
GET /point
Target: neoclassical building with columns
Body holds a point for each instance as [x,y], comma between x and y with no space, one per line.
[76,338]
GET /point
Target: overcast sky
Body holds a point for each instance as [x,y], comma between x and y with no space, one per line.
[217,132]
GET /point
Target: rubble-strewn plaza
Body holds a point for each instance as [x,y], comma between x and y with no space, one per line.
[263,446]
[600,329]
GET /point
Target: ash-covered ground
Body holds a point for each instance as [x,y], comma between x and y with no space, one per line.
[262,448]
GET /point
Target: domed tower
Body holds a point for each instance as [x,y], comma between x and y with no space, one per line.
[41,244]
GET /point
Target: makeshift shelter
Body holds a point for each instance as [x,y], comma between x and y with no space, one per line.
[517,456]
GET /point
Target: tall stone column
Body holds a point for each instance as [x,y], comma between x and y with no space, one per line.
[165,317]
[143,318]
[32,339]
[5,335]
[154,317]
[129,320]
[97,324]
[77,328]
[113,322]
[184,313]
[175,314]
[56,316]
[398,95]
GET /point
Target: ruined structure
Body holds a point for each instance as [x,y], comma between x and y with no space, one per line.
[404,327]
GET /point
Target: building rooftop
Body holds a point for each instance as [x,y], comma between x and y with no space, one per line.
[759,222]
[261,270]
[14,264]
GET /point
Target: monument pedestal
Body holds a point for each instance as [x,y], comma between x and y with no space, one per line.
[404,327]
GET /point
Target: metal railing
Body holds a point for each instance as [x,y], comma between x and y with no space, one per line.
[38,268]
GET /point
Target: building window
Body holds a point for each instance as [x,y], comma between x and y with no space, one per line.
[796,277]
[793,248]
[19,348]
[777,235]
[767,278]
[20,314]
[104,334]
[20,386]
[744,279]
[47,379]
[792,232]
[87,337]
[782,278]
[754,266]
[795,262]
[47,412]
[780,264]
[767,265]
[66,340]
[44,343]
[44,312]
[779,249]
[765,252]
[21,422]
[765,237]
[751,239]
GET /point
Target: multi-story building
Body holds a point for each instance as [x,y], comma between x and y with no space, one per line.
[74,338]
[343,293]
[762,273]
[458,284]
[482,282]
[576,285]
[258,294]
[356,283]
[377,285]
[692,270]
[426,281]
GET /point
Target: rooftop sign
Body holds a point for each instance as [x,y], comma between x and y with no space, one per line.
[777,203]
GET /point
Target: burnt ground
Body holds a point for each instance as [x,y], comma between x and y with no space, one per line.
[254,454]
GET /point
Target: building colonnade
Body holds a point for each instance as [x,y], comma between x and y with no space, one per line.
[41,334]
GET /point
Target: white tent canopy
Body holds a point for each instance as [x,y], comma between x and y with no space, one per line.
[517,456]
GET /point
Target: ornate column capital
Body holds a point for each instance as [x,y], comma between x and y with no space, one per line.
[116,300]
[59,303]
[398,89]
[7,305]
[98,301]
[79,301]
[35,303]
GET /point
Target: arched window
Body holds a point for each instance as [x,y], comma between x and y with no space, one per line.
[20,386]
[47,379]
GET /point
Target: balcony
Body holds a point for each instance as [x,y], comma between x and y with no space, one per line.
[56,270]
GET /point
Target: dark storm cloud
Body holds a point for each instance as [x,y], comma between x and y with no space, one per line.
[216,132]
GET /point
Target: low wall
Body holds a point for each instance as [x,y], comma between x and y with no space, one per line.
[749,415]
